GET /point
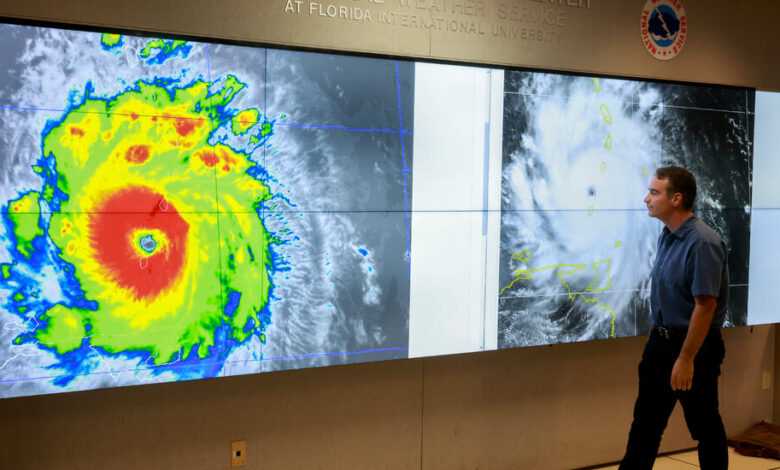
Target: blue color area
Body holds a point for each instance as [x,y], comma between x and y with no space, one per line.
[203,365]
[147,243]
[233,298]
[362,252]
[663,25]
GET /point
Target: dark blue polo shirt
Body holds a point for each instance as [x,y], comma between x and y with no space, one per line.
[691,261]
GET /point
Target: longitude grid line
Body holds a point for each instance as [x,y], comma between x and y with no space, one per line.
[749,153]
[634,303]
[267,184]
[216,194]
[403,167]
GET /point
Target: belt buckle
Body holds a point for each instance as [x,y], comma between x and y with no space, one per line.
[664,332]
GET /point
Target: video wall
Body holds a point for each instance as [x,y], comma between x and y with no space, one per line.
[176,210]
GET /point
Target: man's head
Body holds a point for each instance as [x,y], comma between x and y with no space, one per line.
[680,181]
[672,192]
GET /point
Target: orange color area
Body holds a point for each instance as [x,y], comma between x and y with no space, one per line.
[212,157]
[76,131]
[137,154]
[185,126]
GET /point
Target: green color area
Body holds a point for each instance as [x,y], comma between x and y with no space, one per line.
[18,297]
[110,40]
[247,274]
[48,193]
[64,331]
[165,46]
[22,309]
[6,270]
[24,214]
[266,129]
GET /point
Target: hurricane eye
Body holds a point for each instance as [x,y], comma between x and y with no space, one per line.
[148,243]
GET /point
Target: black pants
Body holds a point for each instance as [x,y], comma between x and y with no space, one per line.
[656,401]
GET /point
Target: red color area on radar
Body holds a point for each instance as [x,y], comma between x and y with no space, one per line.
[210,158]
[111,228]
[185,126]
[137,154]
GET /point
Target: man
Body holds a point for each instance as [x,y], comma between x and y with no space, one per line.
[688,298]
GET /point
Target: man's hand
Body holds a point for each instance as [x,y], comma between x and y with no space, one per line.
[682,375]
[699,327]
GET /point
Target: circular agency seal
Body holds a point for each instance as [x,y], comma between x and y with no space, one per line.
[664,28]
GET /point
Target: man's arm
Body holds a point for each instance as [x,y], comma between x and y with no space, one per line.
[701,320]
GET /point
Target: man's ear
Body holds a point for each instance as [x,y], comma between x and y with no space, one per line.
[677,199]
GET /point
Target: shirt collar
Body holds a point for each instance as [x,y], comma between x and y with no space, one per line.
[683,229]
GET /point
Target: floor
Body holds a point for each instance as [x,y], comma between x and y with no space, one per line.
[689,460]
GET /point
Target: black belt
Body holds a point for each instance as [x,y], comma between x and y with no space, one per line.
[672,332]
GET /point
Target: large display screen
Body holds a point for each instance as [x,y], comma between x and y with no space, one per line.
[177,210]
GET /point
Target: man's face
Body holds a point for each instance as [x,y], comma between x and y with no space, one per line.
[659,204]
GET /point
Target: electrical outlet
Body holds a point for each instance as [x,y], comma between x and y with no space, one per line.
[237,454]
[766,380]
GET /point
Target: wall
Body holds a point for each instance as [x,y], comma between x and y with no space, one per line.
[551,407]
[726,44]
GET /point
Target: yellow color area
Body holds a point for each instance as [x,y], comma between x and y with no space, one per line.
[245,120]
[527,274]
[64,326]
[596,265]
[590,210]
[645,171]
[608,142]
[522,257]
[160,239]
[70,320]
[618,244]
[606,114]
[597,84]
[603,167]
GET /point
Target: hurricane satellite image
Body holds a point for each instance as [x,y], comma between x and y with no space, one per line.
[177,210]
[577,245]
